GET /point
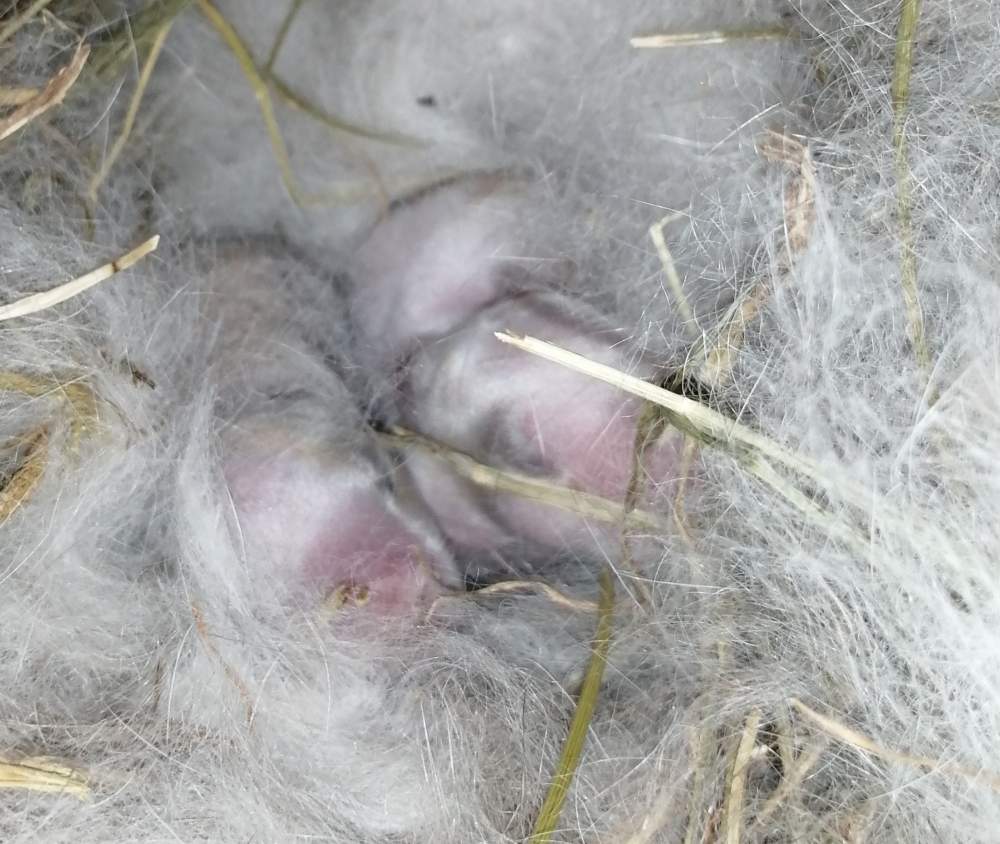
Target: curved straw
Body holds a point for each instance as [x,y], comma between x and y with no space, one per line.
[569,759]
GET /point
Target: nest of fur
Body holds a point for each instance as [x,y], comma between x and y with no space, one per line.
[814,656]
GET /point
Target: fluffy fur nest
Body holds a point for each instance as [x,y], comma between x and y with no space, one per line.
[792,206]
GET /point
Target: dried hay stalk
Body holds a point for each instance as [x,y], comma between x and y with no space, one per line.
[651,422]
[712,365]
[795,773]
[339,125]
[665,804]
[736,781]
[846,735]
[51,95]
[701,754]
[545,492]
[41,773]
[295,100]
[800,192]
[785,739]
[550,592]
[80,398]
[41,301]
[16,96]
[688,456]
[83,405]
[569,759]
[132,36]
[242,54]
[670,270]
[133,110]
[711,36]
[14,25]
[703,423]
[279,40]
[23,481]
[647,433]
[754,451]
[201,627]
[901,73]
[258,83]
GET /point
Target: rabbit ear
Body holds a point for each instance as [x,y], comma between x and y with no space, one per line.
[429,266]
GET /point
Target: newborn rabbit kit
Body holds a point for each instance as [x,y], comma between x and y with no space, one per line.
[499,421]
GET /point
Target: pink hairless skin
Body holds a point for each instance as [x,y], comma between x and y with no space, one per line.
[463,388]
[311,492]
[323,510]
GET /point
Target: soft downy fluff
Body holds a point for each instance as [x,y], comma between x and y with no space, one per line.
[804,640]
